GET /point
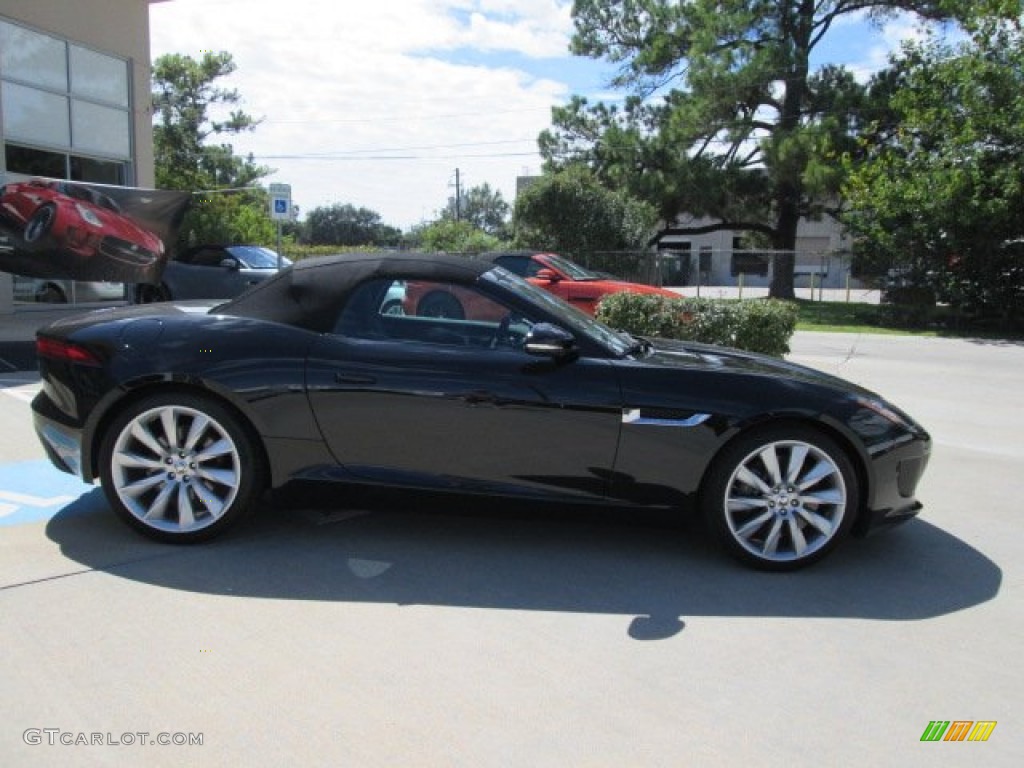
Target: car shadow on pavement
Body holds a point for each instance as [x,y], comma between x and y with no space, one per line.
[653,568]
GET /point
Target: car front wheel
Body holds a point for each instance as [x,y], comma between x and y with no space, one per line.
[180,467]
[40,223]
[781,498]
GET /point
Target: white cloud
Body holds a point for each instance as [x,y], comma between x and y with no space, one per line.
[341,83]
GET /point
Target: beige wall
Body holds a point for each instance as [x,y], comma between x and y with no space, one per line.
[120,27]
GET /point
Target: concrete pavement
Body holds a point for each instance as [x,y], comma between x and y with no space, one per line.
[474,634]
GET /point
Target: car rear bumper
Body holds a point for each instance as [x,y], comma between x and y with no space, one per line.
[63,443]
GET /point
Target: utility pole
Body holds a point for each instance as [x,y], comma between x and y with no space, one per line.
[458,197]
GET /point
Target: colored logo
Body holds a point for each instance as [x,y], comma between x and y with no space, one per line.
[958,730]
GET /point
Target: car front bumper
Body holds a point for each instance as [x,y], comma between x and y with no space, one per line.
[897,472]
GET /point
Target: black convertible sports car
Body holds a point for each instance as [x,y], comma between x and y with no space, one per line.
[187,412]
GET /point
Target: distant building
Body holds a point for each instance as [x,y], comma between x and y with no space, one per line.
[75,93]
[822,250]
[718,258]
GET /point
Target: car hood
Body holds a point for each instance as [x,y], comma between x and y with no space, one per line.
[620,286]
[665,353]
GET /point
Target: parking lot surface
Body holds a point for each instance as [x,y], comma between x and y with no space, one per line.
[441,634]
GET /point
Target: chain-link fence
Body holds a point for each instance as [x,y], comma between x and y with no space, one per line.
[821,276]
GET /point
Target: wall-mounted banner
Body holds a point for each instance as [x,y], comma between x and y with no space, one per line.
[52,228]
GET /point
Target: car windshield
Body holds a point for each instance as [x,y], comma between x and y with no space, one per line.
[571,268]
[569,317]
[255,257]
[85,194]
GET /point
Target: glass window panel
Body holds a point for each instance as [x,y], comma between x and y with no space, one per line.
[35,116]
[103,130]
[33,58]
[98,77]
[97,171]
[35,162]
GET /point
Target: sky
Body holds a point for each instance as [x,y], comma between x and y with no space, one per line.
[377,104]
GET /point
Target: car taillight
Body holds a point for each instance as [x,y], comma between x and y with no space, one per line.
[65,350]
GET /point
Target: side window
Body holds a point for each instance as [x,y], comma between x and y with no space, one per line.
[209,257]
[521,265]
[430,312]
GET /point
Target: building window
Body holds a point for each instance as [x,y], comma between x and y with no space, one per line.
[97,171]
[60,97]
[35,162]
[33,58]
[102,130]
[98,77]
[37,116]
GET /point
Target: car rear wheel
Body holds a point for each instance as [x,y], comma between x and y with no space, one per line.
[52,294]
[40,223]
[781,498]
[179,467]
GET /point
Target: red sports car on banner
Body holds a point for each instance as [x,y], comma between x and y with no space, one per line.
[79,222]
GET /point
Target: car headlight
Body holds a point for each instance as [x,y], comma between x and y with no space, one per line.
[88,215]
[886,411]
[875,418]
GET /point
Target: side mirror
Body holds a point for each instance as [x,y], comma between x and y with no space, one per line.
[231,264]
[549,275]
[551,341]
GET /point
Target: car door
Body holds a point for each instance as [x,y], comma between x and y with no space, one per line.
[442,402]
[203,277]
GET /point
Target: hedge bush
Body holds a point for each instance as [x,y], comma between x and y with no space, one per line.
[758,325]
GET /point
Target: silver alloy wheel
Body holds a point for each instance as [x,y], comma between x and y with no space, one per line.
[785,501]
[175,469]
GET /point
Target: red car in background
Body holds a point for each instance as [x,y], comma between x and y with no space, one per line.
[581,287]
[78,220]
[566,279]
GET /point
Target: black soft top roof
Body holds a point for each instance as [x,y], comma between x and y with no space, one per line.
[309,293]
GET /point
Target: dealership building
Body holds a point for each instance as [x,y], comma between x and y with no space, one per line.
[75,94]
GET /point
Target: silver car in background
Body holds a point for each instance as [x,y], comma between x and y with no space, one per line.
[57,291]
[212,272]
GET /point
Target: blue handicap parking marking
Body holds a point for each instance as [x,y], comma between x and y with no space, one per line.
[31,491]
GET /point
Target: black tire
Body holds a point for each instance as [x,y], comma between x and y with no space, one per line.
[51,293]
[440,304]
[151,294]
[784,517]
[39,225]
[186,487]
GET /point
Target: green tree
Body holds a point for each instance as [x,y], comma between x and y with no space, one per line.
[481,206]
[237,217]
[726,118]
[941,196]
[347,225]
[185,91]
[449,236]
[572,213]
